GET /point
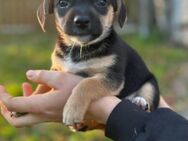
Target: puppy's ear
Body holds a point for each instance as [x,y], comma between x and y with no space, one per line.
[122,13]
[45,7]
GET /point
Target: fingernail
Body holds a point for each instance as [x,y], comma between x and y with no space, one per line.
[30,74]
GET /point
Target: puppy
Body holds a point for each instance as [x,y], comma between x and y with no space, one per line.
[87,45]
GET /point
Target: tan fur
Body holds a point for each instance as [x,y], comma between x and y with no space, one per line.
[56,65]
[147,92]
[92,66]
[65,37]
[91,124]
[108,19]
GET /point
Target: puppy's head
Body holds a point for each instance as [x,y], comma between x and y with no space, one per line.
[83,22]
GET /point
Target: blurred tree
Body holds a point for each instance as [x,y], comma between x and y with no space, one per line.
[144,17]
[161,14]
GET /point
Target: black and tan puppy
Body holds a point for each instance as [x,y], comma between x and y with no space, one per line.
[87,45]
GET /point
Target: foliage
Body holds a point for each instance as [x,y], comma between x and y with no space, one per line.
[22,52]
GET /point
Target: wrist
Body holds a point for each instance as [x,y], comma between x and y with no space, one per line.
[101,109]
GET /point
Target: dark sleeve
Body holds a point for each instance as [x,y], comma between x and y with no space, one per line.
[128,122]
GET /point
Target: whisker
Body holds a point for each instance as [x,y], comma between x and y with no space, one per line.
[81,49]
[73,45]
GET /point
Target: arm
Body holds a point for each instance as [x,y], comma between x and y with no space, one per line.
[127,122]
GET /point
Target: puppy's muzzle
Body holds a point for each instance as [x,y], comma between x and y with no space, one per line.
[82,22]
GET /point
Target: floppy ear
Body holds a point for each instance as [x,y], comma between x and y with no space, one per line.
[122,13]
[41,14]
[42,11]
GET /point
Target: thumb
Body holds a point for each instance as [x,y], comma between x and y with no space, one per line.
[44,77]
[53,79]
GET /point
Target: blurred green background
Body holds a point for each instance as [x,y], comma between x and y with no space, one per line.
[23,46]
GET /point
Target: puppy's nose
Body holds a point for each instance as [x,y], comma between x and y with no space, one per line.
[82,21]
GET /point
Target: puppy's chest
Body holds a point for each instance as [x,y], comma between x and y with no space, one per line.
[89,66]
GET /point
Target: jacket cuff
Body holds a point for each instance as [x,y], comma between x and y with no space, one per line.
[125,121]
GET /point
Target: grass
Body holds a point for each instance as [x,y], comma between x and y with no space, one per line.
[18,53]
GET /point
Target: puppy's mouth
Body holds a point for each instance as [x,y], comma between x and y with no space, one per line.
[83,39]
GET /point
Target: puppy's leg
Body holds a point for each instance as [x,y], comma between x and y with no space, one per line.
[141,102]
[148,96]
[83,94]
[90,125]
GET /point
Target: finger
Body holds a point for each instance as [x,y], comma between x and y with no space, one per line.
[18,104]
[53,79]
[33,104]
[41,89]
[26,120]
[27,89]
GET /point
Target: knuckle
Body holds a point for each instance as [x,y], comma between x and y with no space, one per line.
[47,111]
[40,74]
[59,75]
[58,79]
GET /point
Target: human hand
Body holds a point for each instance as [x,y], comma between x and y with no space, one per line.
[41,108]
[163,103]
[48,107]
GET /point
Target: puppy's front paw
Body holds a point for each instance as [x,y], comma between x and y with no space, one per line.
[80,127]
[73,113]
[141,102]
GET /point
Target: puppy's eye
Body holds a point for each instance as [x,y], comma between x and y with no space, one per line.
[64,3]
[102,3]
